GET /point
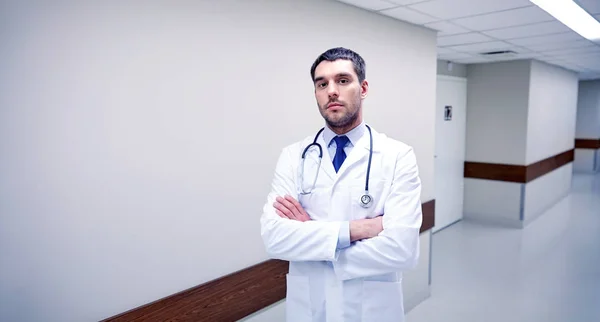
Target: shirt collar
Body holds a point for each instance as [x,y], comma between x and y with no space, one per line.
[353,135]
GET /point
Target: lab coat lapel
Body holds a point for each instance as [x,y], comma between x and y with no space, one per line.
[358,153]
[326,164]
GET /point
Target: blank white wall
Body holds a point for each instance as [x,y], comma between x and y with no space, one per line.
[138,139]
[588,125]
[491,201]
[586,160]
[552,111]
[497,101]
[545,191]
[588,110]
[455,69]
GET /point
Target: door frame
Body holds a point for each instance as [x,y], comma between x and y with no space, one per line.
[457,79]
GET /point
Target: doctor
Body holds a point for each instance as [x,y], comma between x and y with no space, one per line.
[344,207]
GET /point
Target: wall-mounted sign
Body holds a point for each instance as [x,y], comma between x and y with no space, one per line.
[448,113]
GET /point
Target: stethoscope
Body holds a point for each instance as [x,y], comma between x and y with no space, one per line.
[366,199]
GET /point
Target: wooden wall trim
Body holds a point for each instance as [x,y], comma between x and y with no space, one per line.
[587,144]
[228,298]
[231,297]
[428,215]
[517,173]
[548,165]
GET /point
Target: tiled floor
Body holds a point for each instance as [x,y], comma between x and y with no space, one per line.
[547,272]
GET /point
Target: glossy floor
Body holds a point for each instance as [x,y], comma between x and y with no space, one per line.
[549,271]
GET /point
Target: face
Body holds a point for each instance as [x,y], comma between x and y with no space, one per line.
[339,94]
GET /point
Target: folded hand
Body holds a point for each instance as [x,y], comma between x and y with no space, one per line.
[290,208]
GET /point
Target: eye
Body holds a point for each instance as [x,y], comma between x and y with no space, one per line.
[344,81]
[322,85]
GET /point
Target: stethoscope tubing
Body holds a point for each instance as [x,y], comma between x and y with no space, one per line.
[321,157]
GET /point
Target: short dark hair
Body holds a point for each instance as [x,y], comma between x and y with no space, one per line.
[342,53]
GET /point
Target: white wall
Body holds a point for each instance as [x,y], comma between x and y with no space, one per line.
[455,69]
[545,191]
[519,112]
[490,201]
[122,123]
[497,99]
[588,110]
[586,160]
[551,123]
[588,126]
[552,111]
[497,103]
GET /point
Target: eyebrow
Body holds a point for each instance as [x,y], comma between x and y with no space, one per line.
[337,76]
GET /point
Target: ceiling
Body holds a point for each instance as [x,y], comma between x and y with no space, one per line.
[468,28]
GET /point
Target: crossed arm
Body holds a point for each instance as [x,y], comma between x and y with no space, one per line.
[289,208]
[380,245]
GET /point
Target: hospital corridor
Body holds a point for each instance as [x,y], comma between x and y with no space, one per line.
[300,161]
[549,271]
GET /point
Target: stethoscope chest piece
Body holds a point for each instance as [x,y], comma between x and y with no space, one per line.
[366,200]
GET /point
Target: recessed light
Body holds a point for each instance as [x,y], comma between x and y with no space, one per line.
[572,16]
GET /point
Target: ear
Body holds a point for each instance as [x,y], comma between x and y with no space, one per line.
[364,89]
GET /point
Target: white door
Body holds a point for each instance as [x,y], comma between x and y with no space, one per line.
[450,130]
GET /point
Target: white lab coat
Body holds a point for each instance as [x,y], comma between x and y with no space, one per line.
[364,281]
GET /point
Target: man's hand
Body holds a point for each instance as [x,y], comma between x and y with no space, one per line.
[365,228]
[290,208]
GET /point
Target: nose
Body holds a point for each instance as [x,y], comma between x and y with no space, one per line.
[332,90]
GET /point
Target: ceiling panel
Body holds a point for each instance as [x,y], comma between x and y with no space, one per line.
[404,2]
[574,67]
[449,9]
[455,57]
[552,61]
[550,46]
[466,28]
[483,47]
[370,4]
[504,19]
[589,76]
[408,15]
[473,60]
[462,39]
[512,57]
[591,6]
[442,50]
[588,59]
[538,40]
[445,28]
[530,30]
[576,51]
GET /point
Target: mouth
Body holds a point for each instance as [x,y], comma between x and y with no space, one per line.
[334,105]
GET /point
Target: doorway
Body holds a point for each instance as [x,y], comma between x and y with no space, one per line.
[450,136]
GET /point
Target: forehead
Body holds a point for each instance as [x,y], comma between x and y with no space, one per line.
[332,68]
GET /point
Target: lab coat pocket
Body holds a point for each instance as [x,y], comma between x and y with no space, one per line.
[382,302]
[298,307]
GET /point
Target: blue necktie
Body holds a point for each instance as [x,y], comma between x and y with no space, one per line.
[340,155]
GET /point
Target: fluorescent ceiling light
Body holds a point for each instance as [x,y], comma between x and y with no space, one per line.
[573,16]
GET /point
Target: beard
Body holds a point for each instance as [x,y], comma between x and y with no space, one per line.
[343,118]
[340,121]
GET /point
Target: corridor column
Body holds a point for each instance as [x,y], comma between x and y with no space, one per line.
[587,135]
[520,140]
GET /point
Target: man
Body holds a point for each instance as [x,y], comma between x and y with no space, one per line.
[346,254]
